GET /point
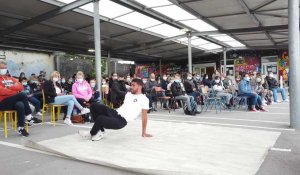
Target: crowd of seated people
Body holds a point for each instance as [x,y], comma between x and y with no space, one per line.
[78,92]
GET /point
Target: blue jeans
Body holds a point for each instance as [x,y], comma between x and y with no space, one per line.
[68,100]
[36,103]
[278,90]
[254,98]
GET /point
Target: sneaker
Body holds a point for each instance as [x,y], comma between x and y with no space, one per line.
[263,110]
[23,132]
[278,101]
[28,117]
[253,110]
[39,114]
[85,111]
[197,112]
[85,134]
[36,120]
[286,100]
[98,136]
[68,121]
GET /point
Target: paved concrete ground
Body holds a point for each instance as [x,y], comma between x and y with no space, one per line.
[17,159]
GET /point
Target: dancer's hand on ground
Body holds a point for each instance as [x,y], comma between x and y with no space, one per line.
[146,135]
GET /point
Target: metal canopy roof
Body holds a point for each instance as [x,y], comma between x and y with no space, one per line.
[52,25]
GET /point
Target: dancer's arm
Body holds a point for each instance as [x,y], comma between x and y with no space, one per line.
[144,124]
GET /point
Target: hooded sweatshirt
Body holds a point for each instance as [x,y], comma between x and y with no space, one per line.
[82,90]
[9,86]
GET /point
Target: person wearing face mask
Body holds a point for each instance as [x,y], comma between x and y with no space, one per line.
[153,89]
[96,96]
[12,99]
[198,80]
[190,87]
[164,82]
[54,95]
[22,75]
[206,81]
[82,90]
[220,91]
[260,90]
[128,80]
[68,86]
[246,91]
[122,83]
[116,93]
[274,87]
[33,100]
[177,89]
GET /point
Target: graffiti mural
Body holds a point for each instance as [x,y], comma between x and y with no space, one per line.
[246,65]
[283,65]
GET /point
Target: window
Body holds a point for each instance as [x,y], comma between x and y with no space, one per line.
[154,3]
[210,46]
[199,25]
[166,30]
[138,20]
[174,12]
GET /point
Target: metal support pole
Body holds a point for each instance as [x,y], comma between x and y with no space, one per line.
[294,63]
[108,63]
[160,68]
[225,64]
[189,52]
[116,66]
[97,43]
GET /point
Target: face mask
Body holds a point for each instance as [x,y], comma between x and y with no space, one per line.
[247,78]
[63,80]
[258,80]
[217,81]
[93,85]
[152,79]
[25,83]
[165,78]
[3,71]
[80,80]
[55,79]
[177,81]
[222,78]
[189,78]
[128,79]
[172,81]
[229,83]
[271,75]
[70,80]
[206,77]
[198,77]
[144,81]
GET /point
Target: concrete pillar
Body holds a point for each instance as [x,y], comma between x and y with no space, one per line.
[160,67]
[294,62]
[97,43]
[189,52]
[225,61]
[108,63]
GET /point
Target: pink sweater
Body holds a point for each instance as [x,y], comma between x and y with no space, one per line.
[82,90]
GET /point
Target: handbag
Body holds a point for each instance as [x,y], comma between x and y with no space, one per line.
[77,119]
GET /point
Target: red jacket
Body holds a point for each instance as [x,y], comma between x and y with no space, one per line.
[9,86]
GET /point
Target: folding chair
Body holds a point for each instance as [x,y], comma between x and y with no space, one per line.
[53,107]
[12,117]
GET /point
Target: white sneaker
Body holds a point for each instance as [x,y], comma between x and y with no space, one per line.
[278,101]
[85,111]
[286,100]
[68,121]
[98,136]
[29,117]
[85,134]
[39,114]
